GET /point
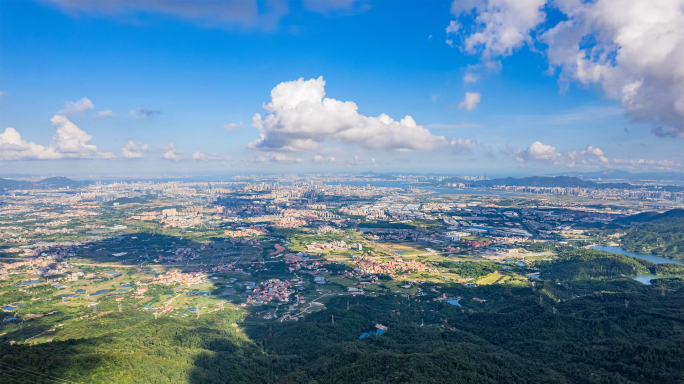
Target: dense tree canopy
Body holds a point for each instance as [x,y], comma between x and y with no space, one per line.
[581,322]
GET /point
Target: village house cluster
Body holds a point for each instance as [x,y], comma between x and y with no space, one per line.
[301,262]
[226,268]
[246,232]
[177,278]
[271,290]
[322,247]
[372,267]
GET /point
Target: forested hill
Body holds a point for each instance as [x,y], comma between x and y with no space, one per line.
[581,322]
[14,184]
[578,264]
[660,234]
[50,182]
[541,181]
[59,182]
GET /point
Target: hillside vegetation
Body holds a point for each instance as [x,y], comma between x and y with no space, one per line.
[50,182]
[581,322]
[661,235]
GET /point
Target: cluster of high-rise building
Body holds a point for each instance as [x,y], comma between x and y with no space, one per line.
[654,193]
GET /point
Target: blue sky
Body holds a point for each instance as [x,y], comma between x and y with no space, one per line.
[197,71]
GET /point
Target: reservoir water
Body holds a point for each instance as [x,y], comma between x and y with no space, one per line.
[454,302]
[643,256]
[647,277]
[375,332]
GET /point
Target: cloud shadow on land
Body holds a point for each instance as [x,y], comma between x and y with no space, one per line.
[509,338]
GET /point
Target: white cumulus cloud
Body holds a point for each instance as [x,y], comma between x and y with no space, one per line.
[632,49]
[470,78]
[13,147]
[470,101]
[462,145]
[273,157]
[173,154]
[300,117]
[500,26]
[644,164]
[539,152]
[72,142]
[636,56]
[453,27]
[214,157]
[78,106]
[323,159]
[134,150]
[68,142]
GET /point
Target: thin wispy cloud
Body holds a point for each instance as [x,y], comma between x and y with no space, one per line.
[207,13]
[107,113]
[571,117]
[232,126]
[76,107]
[143,113]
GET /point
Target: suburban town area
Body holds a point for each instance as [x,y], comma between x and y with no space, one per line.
[278,249]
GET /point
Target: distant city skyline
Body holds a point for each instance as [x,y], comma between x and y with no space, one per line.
[473,87]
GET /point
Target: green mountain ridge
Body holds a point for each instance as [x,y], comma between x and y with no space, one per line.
[50,182]
[572,327]
[659,234]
